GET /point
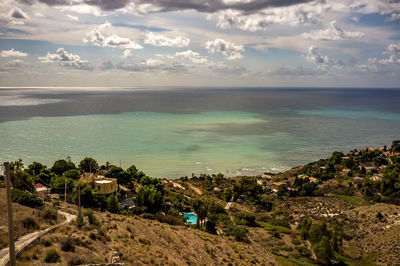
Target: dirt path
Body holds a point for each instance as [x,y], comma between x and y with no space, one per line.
[25,240]
[196,189]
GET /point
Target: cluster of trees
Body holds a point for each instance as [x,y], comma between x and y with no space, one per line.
[325,239]
[150,195]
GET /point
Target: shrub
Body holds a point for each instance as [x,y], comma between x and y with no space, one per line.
[296,242]
[46,242]
[92,218]
[169,219]
[246,218]
[67,244]
[76,261]
[51,255]
[239,232]
[30,223]
[26,198]
[50,213]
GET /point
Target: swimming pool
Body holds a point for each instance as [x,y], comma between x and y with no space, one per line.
[191,218]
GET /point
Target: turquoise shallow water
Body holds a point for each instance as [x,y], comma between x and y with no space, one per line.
[172,134]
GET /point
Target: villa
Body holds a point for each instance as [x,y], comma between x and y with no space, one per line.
[102,184]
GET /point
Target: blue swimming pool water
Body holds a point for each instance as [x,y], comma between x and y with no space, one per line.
[191,218]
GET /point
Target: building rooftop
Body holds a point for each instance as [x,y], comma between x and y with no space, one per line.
[103,181]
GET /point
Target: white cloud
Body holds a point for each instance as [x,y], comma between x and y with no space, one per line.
[161,40]
[230,50]
[375,6]
[12,53]
[322,60]
[223,68]
[294,15]
[74,18]
[393,17]
[192,56]
[152,65]
[332,33]
[10,65]
[128,53]
[394,51]
[103,36]
[64,58]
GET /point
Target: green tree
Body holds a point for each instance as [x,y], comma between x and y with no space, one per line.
[396,146]
[151,195]
[45,176]
[72,174]
[323,250]
[113,204]
[89,164]
[201,209]
[16,165]
[336,157]
[228,193]
[123,177]
[22,180]
[317,231]
[60,182]
[61,166]
[35,168]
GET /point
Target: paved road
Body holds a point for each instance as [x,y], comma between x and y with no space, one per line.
[25,240]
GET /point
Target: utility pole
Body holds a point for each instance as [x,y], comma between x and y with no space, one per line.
[65,189]
[79,201]
[10,215]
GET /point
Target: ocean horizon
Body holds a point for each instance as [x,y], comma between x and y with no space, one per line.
[173,132]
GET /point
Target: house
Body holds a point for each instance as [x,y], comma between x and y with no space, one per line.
[266,176]
[313,180]
[103,185]
[41,190]
[279,184]
[302,176]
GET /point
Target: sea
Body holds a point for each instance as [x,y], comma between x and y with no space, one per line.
[174,132]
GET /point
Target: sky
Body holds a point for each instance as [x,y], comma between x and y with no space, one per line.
[156,43]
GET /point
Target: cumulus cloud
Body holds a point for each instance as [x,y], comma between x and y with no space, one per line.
[192,56]
[64,58]
[161,40]
[12,53]
[377,6]
[230,50]
[103,36]
[393,17]
[10,65]
[127,53]
[322,60]
[152,65]
[394,51]
[332,33]
[223,68]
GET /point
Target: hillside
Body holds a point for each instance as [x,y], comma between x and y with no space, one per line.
[339,210]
